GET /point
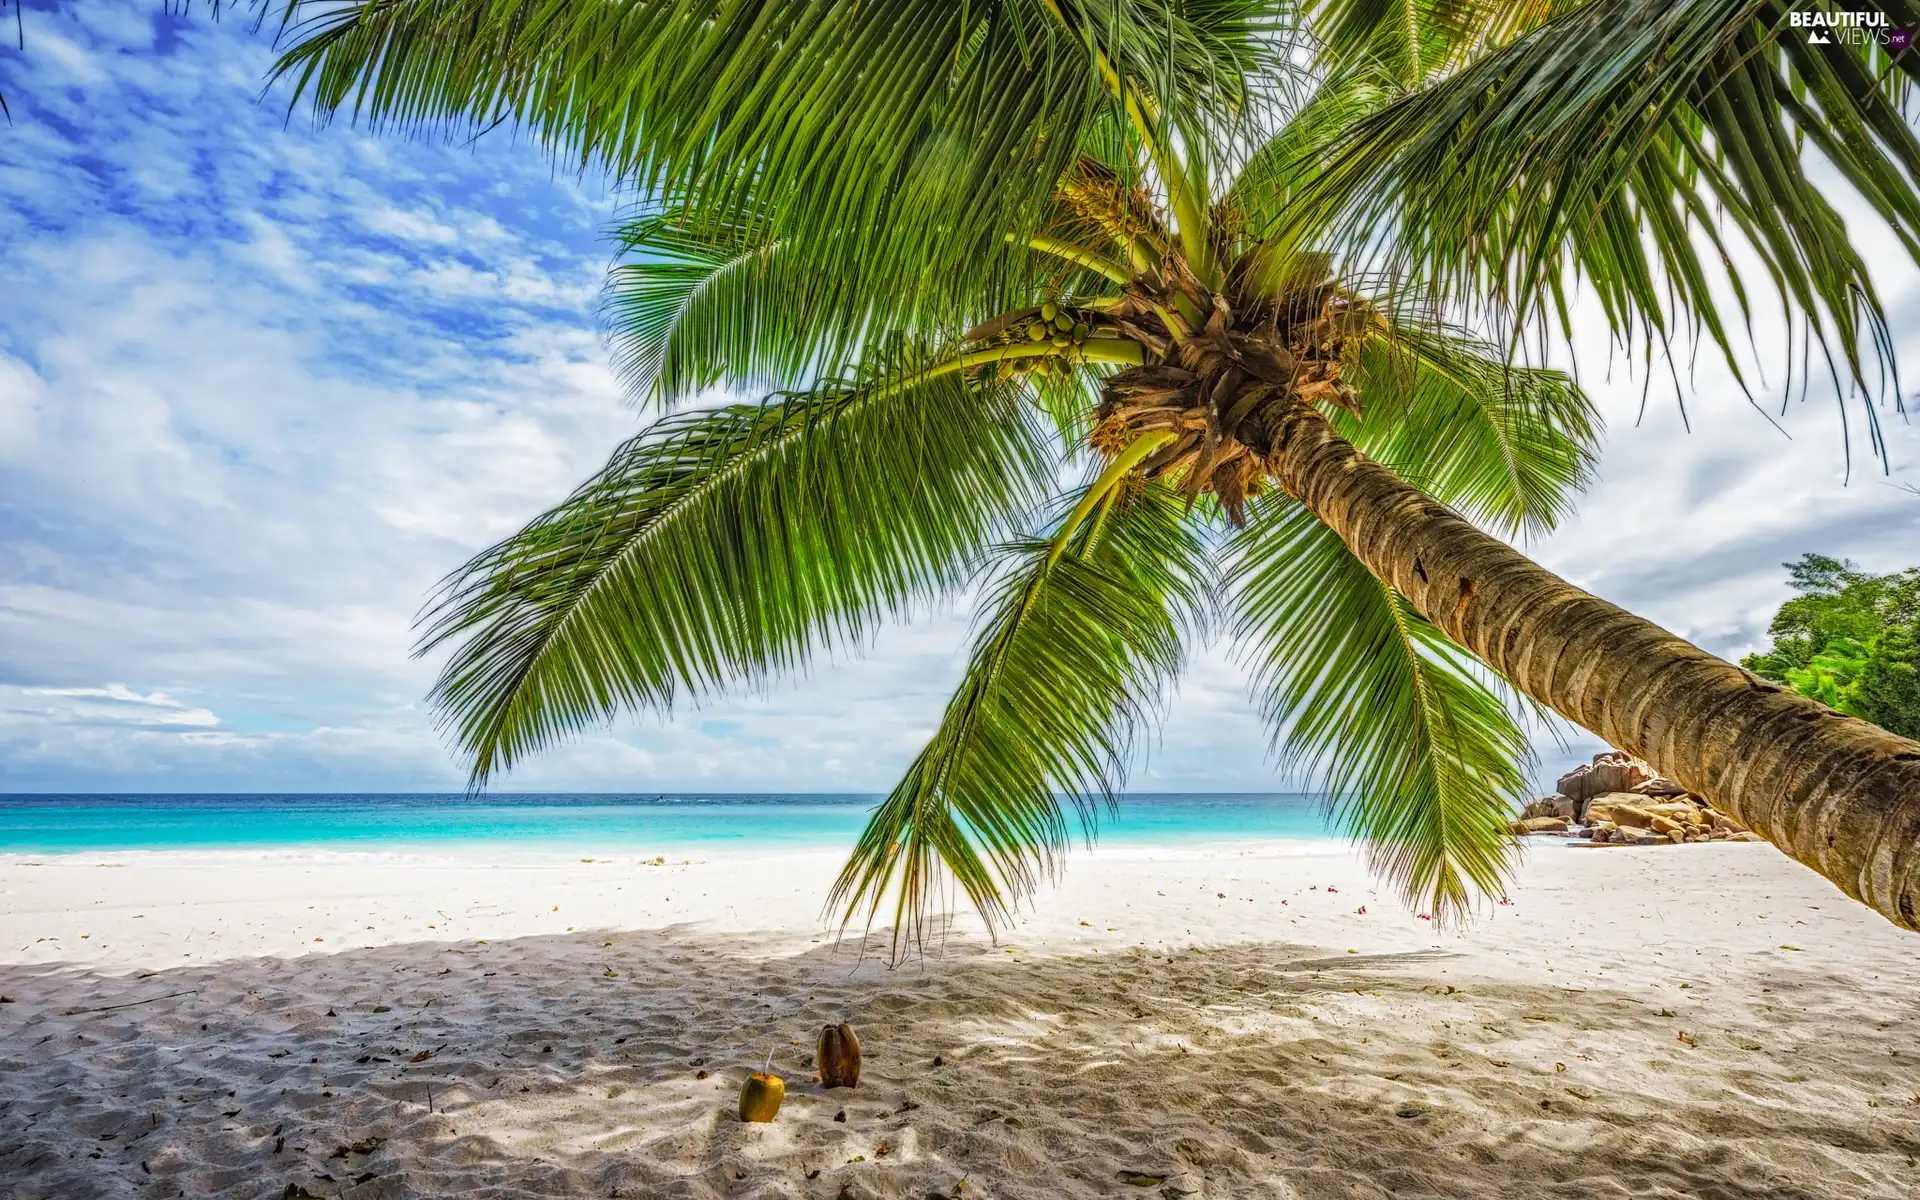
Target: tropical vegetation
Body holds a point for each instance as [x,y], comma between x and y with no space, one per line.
[1145,321]
[1849,640]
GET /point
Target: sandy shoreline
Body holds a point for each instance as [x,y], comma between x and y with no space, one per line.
[1138,1026]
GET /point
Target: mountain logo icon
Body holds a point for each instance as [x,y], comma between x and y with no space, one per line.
[1819,38]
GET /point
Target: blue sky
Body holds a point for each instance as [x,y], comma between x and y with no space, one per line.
[262,384]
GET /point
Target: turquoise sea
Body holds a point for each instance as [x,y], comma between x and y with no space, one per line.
[53,824]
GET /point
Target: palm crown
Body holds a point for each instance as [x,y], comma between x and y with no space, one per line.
[1149,246]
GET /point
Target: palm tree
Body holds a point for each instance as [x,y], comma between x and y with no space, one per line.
[1224,252]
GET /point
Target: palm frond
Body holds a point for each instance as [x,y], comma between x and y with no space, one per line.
[689,308]
[721,546]
[720,304]
[1305,143]
[1611,144]
[1510,446]
[1067,674]
[1420,755]
[1419,39]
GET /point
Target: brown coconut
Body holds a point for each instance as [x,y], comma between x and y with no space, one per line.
[839,1056]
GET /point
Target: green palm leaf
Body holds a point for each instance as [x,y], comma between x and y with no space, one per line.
[722,545]
[1068,673]
[696,307]
[1420,39]
[1509,446]
[1614,141]
[1285,164]
[1421,756]
[691,308]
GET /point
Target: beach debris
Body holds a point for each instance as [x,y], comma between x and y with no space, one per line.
[366,1145]
[841,1116]
[76,1012]
[1142,1179]
[838,1054]
[761,1094]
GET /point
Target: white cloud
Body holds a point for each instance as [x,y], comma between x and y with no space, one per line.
[76,63]
[112,691]
[114,702]
[413,225]
[22,397]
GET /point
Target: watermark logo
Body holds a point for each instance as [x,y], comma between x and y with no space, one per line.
[1855,28]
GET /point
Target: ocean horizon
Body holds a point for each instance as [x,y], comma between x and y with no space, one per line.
[666,822]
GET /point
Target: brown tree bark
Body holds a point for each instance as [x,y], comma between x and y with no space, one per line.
[1837,793]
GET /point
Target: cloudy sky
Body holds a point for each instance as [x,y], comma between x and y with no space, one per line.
[262,384]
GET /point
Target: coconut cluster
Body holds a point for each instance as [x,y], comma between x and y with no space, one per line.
[1222,364]
[1056,329]
[1220,391]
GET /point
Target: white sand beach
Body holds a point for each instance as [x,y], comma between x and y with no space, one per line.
[1706,1020]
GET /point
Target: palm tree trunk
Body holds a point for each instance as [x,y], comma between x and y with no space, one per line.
[1837,793]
